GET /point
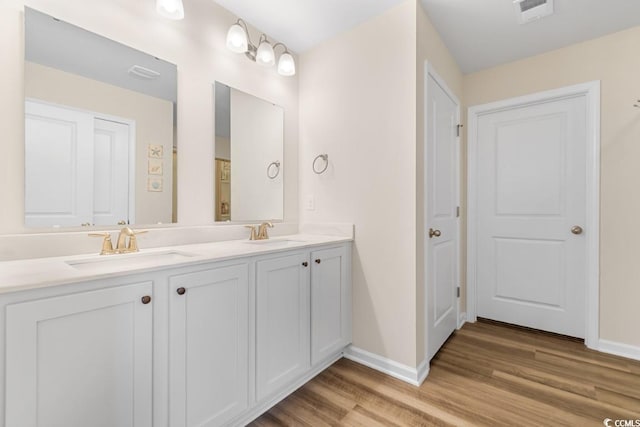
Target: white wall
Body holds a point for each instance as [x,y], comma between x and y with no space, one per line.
[196,44]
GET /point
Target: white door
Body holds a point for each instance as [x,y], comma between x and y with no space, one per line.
[330,303]
[282,322]
[81,360]
[110,172]
[441,198]
[209,336]
[531,199]
[58,166]
[76,167]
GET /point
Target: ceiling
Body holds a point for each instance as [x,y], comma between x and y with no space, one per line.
[484,33]
[303,24]
[479,33]
[57,44]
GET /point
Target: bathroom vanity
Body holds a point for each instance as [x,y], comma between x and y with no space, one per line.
[195,335]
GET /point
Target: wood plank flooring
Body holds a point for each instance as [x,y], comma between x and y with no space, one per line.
[487,374]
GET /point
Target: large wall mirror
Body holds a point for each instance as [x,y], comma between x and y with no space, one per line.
[249,151]
[100,128]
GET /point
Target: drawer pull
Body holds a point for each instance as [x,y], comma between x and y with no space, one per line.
[318,261]
[146,299]
[305,264]
[181,291]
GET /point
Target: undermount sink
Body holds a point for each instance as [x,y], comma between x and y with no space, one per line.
[126,260]
[274,242]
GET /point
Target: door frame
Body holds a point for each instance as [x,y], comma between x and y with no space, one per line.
[591,92]
[429,71]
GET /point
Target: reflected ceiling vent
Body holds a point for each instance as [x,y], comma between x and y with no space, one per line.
[532,10]
[143,73]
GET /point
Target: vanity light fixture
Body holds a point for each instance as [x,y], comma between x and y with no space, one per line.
[239,41]
[172,9]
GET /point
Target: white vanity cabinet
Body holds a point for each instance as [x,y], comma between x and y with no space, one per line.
[330,302]
[83,359]
[282,321]
[303,314]
[209,345]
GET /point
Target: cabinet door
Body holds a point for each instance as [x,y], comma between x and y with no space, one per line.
[282,322]
[81,360]
[209,338]
[330,302]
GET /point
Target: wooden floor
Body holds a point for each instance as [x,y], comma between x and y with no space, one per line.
[486,374]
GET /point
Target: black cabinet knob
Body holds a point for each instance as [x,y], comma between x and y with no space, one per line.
[305,264]
[318,261]
[146,299]
[181,291]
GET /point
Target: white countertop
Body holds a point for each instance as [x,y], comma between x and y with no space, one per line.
[44,272]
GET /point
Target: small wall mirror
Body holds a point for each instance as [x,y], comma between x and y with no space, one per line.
[249,140]
[100,129]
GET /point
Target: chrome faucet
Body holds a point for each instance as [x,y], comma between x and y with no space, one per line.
[262,231]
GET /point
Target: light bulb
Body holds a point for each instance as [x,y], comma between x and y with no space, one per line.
[172,9]
[265,55]
[237,39]
[286,65]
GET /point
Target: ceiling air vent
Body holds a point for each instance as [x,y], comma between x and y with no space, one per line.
[531,10]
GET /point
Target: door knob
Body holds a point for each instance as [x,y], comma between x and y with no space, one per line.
[434,233]
[576,229]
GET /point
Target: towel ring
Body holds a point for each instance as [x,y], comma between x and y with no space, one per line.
[324,157]
[277,166]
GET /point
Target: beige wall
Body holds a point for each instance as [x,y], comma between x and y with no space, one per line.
[196,44]
[357,104]
[432,49]
[361,102]
[614,61]
[153,118]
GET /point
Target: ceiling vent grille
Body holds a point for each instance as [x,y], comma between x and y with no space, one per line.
[532,10]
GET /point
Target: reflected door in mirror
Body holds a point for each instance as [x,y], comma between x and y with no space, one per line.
[76,167]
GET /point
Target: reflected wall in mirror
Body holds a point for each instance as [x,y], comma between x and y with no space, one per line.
[99,129]
[248,157]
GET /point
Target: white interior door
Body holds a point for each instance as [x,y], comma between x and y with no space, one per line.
[58,166]
[531,208]
[441,214]
[110,172]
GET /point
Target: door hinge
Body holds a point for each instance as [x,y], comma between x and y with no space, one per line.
[457,211]
[458,292]
[458,129]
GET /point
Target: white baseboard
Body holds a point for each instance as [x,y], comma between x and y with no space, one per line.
[462,319]
[413,376]
[619,349]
